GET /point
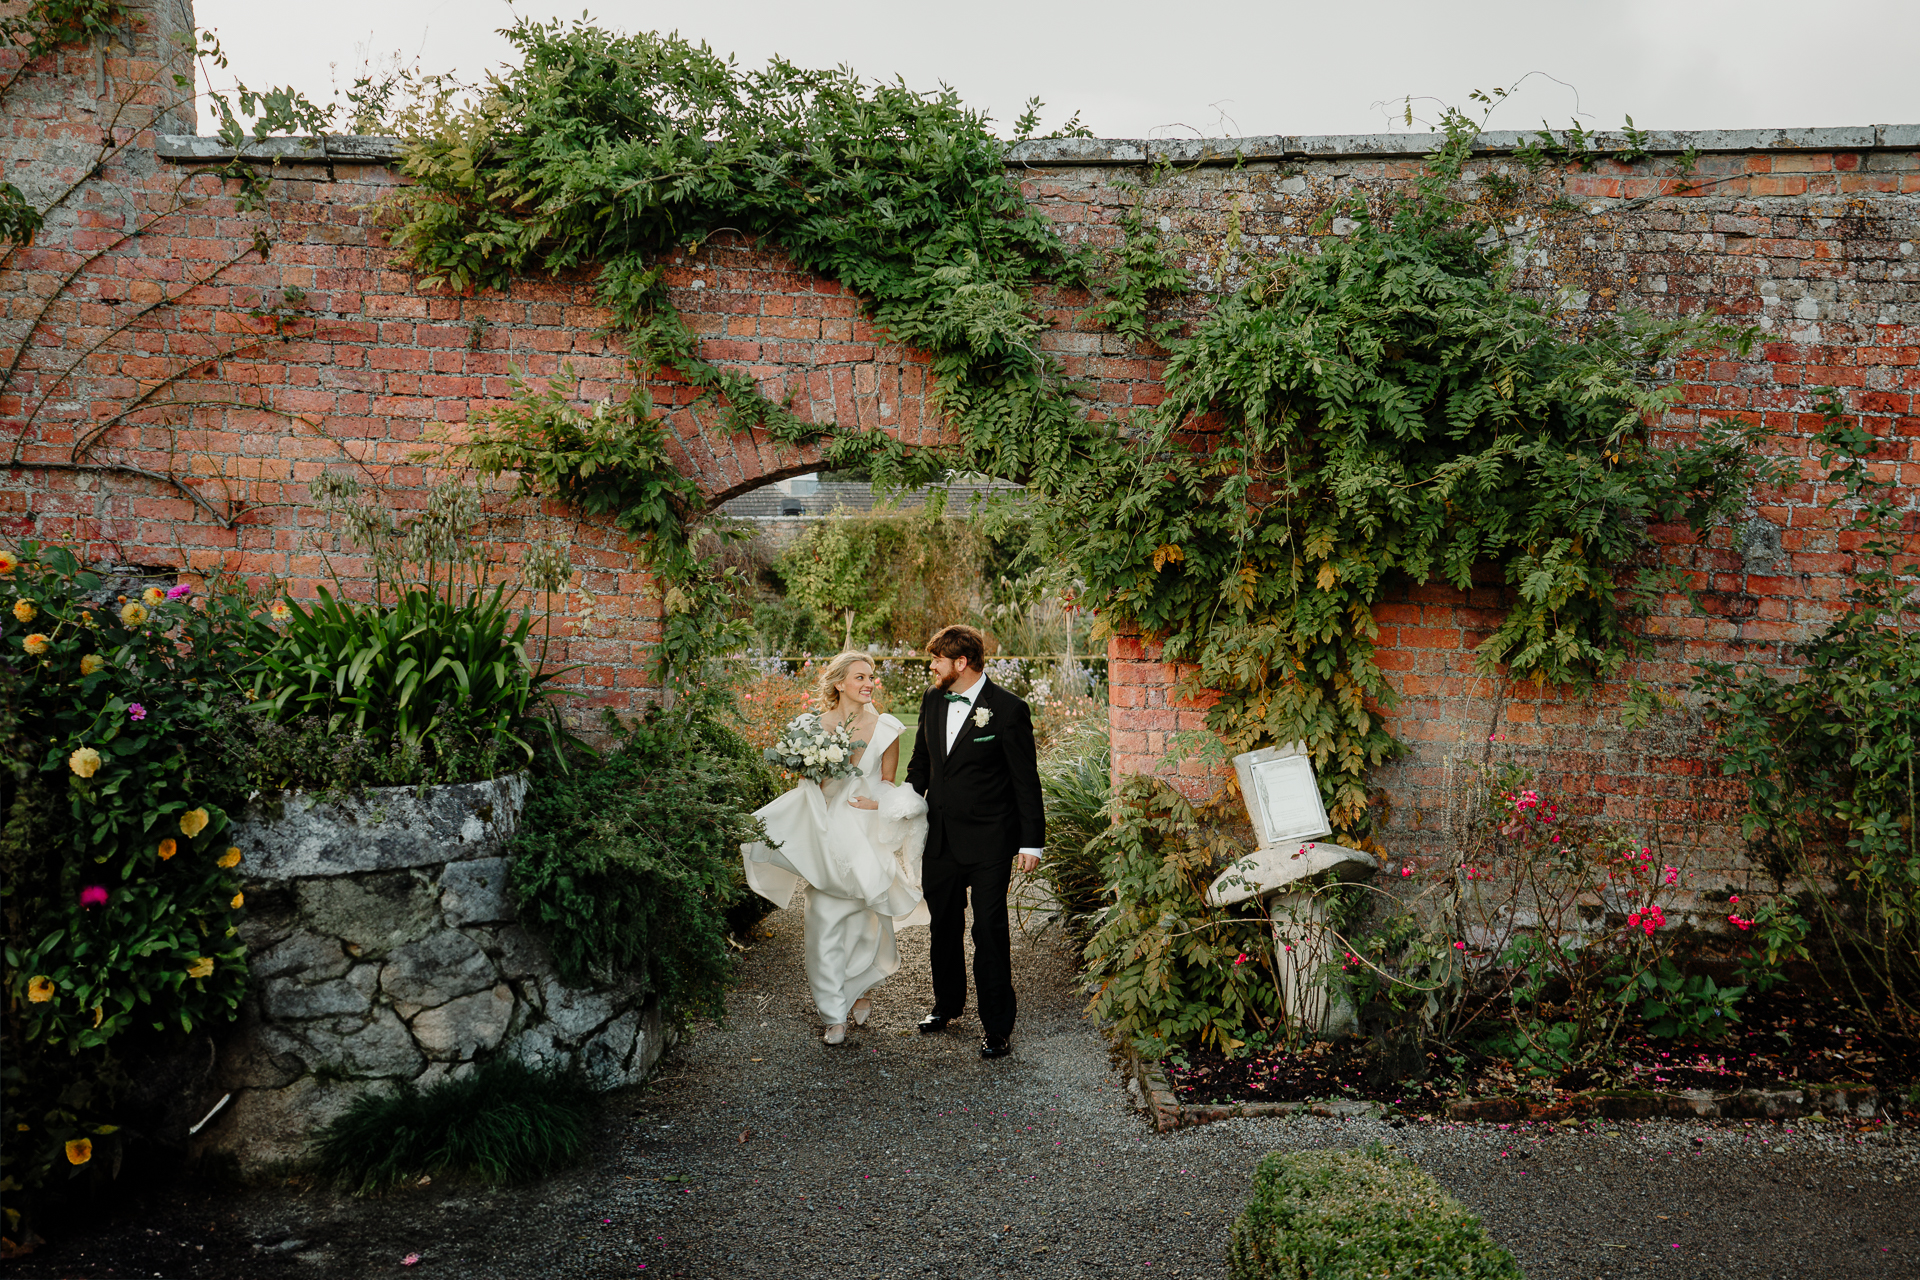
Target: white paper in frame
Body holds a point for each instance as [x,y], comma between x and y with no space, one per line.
[1289,799]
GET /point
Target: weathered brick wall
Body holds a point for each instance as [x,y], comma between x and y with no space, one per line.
[1813,238]
[190,368]
[180,391]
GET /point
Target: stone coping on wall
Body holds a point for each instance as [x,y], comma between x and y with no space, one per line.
[1153,1093]
[1056,152]
[378,828]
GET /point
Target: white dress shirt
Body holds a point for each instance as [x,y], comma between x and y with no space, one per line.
[957,713]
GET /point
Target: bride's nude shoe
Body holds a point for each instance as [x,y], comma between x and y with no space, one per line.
[862,1010]
[836,1034]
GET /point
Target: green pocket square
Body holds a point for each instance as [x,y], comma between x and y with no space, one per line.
[986,737]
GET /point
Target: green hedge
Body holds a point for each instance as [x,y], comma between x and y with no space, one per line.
[1331,1215]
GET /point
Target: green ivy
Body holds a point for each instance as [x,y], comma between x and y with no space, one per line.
[1387,409]
[1390,410]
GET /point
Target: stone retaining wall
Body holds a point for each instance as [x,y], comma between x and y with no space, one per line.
[384,948]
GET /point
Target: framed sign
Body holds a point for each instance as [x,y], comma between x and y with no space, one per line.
[1283,797]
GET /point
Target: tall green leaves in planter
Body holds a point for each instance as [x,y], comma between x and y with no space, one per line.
[1829,761]
[434,680]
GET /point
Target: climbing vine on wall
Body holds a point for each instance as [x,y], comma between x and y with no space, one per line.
[1386,409]
[1390,409]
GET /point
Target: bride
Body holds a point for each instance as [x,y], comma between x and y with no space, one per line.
[855,843]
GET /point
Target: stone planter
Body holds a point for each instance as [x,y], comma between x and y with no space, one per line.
[383,948]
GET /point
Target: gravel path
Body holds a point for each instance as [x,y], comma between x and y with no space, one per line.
[759,1152]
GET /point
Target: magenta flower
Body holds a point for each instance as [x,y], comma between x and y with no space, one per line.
[136,712]
[1459,946]
[184,589]
[1240,959]
[1673,875]
[94,895]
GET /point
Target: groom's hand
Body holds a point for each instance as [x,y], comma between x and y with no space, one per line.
[1024,862]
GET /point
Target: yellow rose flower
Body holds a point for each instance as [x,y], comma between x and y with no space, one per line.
[91,663]
[36,644]
[85,762]
[8,562]
[39,989]
[231,858]
[153,597]
[168,848]
[202,967]
[193,822]
[79,1150]
[24,610]
[132,614]
[239,900]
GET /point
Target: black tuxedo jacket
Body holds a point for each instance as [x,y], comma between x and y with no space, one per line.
[983,797]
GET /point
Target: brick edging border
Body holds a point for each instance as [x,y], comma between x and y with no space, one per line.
[1153,1093]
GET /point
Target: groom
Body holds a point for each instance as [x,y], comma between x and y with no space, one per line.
[974,761]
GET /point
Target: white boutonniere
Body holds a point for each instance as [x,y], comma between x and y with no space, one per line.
[981,717]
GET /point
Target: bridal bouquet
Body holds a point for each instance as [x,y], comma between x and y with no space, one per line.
[813,752]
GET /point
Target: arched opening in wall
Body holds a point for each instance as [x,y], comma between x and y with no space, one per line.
[827,561]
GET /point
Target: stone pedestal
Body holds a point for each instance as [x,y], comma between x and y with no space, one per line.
[1283,800]
[383,947]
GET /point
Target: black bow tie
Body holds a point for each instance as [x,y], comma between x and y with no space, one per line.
[957,697]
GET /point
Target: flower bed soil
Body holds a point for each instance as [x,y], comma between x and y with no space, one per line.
[1784,1039]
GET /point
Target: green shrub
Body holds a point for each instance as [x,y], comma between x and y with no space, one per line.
[118,885]
[1076,779]
[503,1123]
[1169,969]
[1335,1215]
[633,864]
[1827,758]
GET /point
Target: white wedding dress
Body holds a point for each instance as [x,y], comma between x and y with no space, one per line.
[860,868]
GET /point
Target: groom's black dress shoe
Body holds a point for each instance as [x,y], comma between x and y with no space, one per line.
[995,1047]
[934,1022]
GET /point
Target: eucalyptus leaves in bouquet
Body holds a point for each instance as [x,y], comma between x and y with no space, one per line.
[813,751]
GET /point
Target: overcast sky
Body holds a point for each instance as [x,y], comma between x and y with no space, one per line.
[1220,69]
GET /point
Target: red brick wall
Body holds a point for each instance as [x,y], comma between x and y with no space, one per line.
[375,374]
[1820,251]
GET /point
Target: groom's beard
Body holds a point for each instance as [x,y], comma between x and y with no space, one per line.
[944,683]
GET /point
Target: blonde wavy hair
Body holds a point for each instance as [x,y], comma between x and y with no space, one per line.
[825,697]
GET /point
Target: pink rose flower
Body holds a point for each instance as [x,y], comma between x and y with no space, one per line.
[136,712]
[94,895]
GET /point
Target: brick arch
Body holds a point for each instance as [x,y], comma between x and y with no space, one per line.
[805,341]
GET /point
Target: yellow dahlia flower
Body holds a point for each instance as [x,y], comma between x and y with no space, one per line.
[85,762]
